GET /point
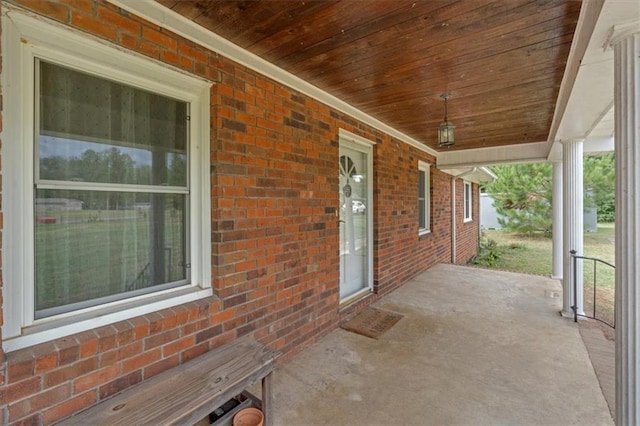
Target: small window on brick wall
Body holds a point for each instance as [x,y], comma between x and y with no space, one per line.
[424,198]
[468,203]
[109,215]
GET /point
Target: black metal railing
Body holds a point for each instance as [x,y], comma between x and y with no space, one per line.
[142,280]
[574,265]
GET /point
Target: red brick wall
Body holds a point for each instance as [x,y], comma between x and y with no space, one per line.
[400,252]
[273,206]
[467,234]
[274,177]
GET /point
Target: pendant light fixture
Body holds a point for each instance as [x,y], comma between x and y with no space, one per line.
[445,129]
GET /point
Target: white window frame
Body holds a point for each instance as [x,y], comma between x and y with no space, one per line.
[25,38]
[467,201]
[426,168]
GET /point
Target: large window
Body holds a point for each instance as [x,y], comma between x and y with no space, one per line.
[107,211]
[111,190]
[467,202]
[424,199]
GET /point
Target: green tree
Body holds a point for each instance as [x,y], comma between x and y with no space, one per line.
[599,178]
[522,197]
[54,168]
[178,170]
[522,193]
[110,166]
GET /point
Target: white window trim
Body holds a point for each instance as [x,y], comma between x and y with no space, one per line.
[426,168]
[347,136]
[24,37]
[468,201]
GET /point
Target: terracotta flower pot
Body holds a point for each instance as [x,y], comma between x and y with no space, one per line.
[248,417]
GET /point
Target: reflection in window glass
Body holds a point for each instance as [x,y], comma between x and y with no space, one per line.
[424,215]
[111,191]
[421,199]
[96,130]
[467,201]
[94,244]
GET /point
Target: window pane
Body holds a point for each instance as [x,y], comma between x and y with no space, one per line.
[94,246]
[96,130]
[421,185]
[467,200]
[421,213]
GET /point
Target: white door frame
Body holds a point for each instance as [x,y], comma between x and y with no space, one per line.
[358,143]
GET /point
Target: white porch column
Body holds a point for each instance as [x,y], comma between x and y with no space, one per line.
[573,224]
[626,46]
[557,220]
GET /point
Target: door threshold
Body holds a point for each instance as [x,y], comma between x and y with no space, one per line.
[356,297]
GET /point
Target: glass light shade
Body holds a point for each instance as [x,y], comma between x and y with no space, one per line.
[445,134]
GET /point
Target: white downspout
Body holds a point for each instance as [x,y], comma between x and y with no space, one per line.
[453,220]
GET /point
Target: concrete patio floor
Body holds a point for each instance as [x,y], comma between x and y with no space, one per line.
[475,347]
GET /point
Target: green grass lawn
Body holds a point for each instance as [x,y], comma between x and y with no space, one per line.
[86,254]
[532,255]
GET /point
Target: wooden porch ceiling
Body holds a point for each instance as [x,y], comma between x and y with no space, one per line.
[502,61]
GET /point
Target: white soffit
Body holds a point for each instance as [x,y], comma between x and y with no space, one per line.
[589,112]
[172,21]
[604,127]
[523,153]
[601,144]
[477,175]
[591,145]
[589,14]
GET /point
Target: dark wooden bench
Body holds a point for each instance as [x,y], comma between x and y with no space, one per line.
[189,392]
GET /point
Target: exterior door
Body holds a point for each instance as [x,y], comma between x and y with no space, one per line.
[356,273]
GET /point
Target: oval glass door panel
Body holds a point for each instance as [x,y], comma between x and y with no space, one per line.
[354,221]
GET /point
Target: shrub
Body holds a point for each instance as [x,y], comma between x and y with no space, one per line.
[489,253]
